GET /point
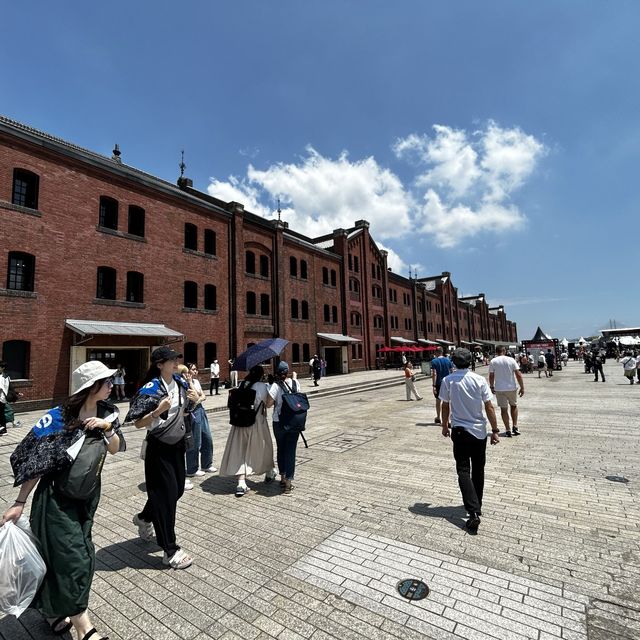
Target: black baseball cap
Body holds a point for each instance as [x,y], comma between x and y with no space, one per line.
[162,354]
[462,358]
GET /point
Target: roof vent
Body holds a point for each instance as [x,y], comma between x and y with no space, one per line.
[116,154]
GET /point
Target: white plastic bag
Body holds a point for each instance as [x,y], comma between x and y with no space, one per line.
[22,568]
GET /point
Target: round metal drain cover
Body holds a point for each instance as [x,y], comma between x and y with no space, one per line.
[617,479]
[412,589]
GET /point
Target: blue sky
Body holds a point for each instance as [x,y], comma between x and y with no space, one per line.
[496,140]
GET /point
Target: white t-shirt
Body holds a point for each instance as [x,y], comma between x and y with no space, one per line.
[4,386]
[466,392]
[174,394]
[215,370]
[542,359]
[276,392]
[504,367]
[629,363]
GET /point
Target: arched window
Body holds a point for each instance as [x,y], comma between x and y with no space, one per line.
[306,352]
[325,275]
[135,286]
[293,266]
[303,269]
[210,242]
[106,283]
[251,303]
[354,285]
[108,213]
[264,266]
[25,188]
[304,311]
[295,352]
[210,297]
[327,313]
[135,223]
[190,236]
[334,314]
[294,308]
[210,353]
[250,262]
[355,319]
[265,304]
[16,353]
[191,352]
[190,295]
[333,277]
[21,270]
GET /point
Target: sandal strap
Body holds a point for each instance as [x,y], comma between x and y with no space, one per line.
[89,633]
[62,630]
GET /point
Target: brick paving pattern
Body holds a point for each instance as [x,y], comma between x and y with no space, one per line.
[557,555]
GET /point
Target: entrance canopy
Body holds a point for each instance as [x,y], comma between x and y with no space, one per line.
[337,337]
[428,342]
[446,343]
[102,328]
[402,340]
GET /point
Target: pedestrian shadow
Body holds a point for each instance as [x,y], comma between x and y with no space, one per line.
[217,486]
[128,554]
[29,625]
[453,514]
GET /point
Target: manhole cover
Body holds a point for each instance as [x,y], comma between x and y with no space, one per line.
[412,589]
[617,479]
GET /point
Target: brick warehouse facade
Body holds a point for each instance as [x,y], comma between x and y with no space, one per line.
[106,261]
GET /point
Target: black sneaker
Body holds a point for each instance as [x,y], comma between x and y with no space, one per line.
[515,431]
[473,522]
[437,421]
[508,434]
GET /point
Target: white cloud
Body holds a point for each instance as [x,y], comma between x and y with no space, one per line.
[470,178]
[463,187]
[323,194]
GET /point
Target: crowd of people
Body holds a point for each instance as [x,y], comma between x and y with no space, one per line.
[62,457]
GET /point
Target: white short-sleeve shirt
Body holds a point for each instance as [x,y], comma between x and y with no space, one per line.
[504,368]
[466,392]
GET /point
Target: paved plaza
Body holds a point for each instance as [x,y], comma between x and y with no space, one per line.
[376,500]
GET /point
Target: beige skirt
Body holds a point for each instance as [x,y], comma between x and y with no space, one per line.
[249,450]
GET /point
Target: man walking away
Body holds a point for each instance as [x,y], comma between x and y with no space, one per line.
[316,367]
[409,382]
[440,368]
[215,378]
[629,364]
[551,361]
[597,366]
[5,381]
[503,374]
[463,395]
[542,365]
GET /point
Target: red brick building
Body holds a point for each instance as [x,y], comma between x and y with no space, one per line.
[105,261]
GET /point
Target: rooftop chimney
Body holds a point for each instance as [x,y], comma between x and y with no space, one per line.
[116,154]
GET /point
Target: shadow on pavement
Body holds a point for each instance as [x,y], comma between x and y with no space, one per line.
[453,514]
[29,626]
[218,486]
[132,554]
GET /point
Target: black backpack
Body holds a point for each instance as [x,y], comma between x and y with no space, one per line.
[242,406]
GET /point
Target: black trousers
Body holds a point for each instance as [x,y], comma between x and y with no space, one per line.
[598,368]
[470,455]
[164,474]
[215,382]
[3,419]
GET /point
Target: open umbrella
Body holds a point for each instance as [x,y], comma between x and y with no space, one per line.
[258,353]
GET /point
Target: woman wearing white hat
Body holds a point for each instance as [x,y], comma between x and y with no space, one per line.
[82,429]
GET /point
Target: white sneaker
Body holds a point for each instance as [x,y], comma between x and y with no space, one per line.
[197,474]
[211,469]
[145,529]
[188,485]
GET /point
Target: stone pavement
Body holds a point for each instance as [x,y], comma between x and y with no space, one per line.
[376,500]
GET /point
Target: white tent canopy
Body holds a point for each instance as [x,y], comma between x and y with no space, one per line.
[564,342]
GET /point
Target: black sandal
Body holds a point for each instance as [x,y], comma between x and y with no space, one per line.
[91,633]
[62,630]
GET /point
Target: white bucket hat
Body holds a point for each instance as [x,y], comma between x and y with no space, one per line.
[88,373]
